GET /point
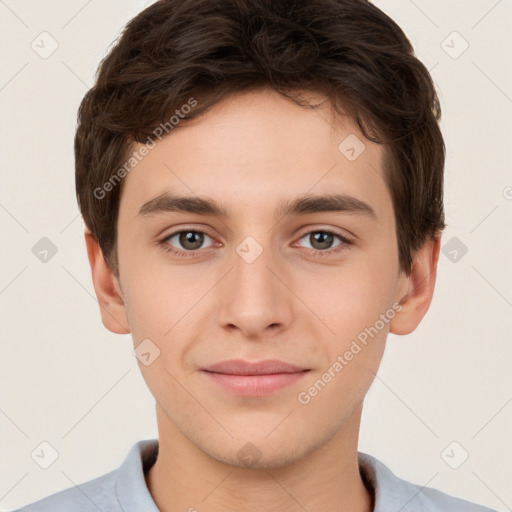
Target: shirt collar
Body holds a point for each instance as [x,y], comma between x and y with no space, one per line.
[389,491]
[131,489]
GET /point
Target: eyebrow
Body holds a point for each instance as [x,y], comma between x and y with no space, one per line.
[301,205]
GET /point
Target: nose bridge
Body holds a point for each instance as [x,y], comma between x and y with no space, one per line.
[251,263]
[254,299]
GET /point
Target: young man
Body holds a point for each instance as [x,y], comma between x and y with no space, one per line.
[262,184]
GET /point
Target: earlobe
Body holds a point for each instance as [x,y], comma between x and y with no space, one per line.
[420,288]
[107,288]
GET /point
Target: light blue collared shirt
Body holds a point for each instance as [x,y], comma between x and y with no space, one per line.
[125,490]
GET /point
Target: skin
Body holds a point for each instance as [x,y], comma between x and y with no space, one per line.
[251,152]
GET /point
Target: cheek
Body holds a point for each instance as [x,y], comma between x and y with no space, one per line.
[350,297]
[356,303]
[159,297]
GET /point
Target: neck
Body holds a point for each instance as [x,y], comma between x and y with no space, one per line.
[326,479]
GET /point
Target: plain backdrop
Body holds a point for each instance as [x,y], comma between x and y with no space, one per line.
[67,381]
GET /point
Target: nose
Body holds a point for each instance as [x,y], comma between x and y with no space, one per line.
[254,298]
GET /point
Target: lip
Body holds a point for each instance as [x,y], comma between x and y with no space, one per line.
[241,367]
[261,378]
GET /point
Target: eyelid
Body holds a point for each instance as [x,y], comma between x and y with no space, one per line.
[180,229]
[344,235]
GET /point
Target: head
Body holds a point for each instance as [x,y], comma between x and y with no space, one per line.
[222,123]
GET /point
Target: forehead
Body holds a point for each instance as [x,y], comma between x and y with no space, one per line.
[251,150]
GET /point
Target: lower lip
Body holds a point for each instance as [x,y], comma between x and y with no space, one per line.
[255,385]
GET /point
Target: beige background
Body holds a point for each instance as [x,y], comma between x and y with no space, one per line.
[68,381]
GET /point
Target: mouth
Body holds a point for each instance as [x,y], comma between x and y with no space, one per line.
[263,378]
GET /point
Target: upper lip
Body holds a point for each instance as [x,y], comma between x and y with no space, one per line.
[241,367]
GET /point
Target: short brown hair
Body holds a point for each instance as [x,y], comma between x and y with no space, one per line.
[347,50]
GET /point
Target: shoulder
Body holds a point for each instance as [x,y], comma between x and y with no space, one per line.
[394,493]
[121,489]
[90,496]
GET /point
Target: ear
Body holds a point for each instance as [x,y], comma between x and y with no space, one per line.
[107,288]
[417,289]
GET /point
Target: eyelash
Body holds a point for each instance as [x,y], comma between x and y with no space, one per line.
[316,253]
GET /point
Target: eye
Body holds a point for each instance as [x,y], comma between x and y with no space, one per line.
[188,239]
[187,242]
[322,240]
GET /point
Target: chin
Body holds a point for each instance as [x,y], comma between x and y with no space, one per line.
[260,452]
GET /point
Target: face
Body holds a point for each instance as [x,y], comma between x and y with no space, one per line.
[286,251]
